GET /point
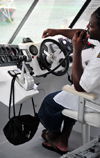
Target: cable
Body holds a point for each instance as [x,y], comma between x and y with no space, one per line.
[44,75]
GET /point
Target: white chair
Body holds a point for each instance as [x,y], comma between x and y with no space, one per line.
[86,118]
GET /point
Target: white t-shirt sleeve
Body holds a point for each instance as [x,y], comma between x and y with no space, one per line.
[90,78]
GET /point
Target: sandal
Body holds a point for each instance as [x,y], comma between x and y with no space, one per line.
[53,148]
[45,136]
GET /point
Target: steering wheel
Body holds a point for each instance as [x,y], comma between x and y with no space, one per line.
[47,59]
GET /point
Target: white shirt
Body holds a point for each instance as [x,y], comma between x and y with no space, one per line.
[90,82]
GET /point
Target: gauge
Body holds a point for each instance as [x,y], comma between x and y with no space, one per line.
[33,50]
[17,51]
[13,51]
[8,50]
[3,50]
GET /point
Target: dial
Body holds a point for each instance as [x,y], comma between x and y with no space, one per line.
[33,50]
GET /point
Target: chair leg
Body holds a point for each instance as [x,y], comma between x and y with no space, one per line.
[85,133]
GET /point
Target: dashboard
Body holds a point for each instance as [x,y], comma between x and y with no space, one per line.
[11,54]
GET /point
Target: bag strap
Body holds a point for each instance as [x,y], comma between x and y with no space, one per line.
[20,109]
[12,96]
[32,105]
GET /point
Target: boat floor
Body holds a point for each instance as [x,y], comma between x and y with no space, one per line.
[34,148]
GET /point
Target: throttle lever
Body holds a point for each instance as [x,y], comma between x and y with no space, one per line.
[25,79]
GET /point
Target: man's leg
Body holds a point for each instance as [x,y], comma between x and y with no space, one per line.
[50,114]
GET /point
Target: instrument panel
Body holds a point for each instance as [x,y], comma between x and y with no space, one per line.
[11,54]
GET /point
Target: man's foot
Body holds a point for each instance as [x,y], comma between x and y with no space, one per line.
[46,134]
[50,145]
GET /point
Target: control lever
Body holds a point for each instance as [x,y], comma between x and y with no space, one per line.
[25,79]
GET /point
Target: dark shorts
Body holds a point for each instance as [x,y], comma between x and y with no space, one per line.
[50,114]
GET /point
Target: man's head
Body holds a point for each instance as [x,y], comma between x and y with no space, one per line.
[94,25]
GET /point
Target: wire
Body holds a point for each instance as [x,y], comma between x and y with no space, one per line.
[44,75]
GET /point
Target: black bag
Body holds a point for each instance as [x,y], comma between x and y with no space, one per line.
[20,128]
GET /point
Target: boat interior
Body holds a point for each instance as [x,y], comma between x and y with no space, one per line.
[22,24]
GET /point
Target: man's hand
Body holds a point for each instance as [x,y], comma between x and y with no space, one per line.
[49,32]
[77,70]
[78,41]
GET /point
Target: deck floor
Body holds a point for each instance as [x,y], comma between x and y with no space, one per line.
[33,148]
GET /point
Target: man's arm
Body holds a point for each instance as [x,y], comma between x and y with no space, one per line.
[77,70]
[65,32]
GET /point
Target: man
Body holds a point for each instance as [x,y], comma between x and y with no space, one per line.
[88,80]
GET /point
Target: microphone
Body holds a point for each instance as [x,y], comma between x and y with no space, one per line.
[84,35]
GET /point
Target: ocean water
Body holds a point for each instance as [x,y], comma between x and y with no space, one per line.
[46,14]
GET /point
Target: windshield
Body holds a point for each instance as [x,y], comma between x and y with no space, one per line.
[46,14]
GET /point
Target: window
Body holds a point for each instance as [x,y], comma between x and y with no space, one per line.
[46,14]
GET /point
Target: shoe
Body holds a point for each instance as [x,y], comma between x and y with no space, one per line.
[54,148]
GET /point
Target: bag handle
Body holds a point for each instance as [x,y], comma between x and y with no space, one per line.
[12,98]
[33,107]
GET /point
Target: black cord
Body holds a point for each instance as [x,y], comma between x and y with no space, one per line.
[44,75]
